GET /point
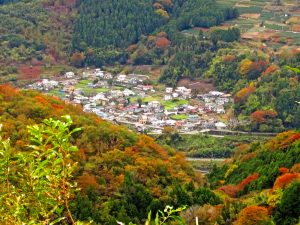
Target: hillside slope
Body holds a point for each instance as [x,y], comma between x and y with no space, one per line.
[265,178]
[110,158]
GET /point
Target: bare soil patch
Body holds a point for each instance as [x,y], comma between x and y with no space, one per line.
[202,86]
[30,72]
[245,5]
[265,35]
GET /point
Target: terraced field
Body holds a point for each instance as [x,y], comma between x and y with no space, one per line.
[263,21]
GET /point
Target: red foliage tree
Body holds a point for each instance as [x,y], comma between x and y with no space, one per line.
[230,190]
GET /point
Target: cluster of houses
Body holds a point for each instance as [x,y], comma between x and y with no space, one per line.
[126,105]
[179,92]
[44,85]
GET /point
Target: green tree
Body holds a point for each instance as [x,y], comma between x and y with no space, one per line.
[288,210]
[36,184]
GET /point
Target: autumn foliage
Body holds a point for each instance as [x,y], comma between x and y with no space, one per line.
[8,92]
[243,94]
[253,215]
[261,116]
[232,190]
[283,170]
[285,179]
[162,42]
[283,140]
[252,69]
[296,168]
[77,59]
[271,69]
[229,58]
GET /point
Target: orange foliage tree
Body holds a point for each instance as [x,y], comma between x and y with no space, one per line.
[261,116]
[77,59]
[271,69]
[248,180]
[283,170]
[243,94]
[232,190]
[296,168]
[285,179]
[162,42]
[253,215]
[229,58]
[283,140]
[245,67]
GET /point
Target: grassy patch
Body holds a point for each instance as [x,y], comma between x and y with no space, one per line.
[57,93]
[173,103]
[83,85]
[151,99]
[276,26]
[250,9]
[179,117]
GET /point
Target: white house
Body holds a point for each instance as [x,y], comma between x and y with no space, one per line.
[121,78]
[169,90]
[220,110]
[170,122]
[220,125]
[216,93]
[154,104]
[128,92]
[69,75]
[99,73]
[175,95]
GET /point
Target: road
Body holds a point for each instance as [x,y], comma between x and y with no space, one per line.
[210,132]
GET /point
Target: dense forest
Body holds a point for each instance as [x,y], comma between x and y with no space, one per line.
[34,35]
[122,175]
[265,89]
[103,31]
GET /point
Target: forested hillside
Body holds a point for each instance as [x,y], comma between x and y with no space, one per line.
[103,31]
[265,90]
[34,35]
[123,175]
[266,175]
[114,23]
